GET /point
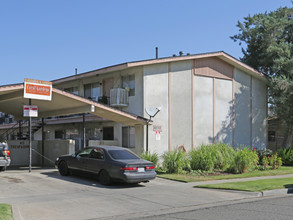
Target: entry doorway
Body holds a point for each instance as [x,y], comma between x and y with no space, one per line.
[108,133]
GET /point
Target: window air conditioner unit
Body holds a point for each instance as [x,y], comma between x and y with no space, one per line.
[119,97]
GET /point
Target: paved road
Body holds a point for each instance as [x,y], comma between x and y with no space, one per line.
[279,208]
[44,194]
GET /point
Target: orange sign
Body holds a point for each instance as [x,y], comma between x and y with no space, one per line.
[37,81]
[37,89]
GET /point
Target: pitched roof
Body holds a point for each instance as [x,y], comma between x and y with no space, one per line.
[221,55]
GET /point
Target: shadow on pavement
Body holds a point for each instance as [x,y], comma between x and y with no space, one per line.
[289,187]
[89,180]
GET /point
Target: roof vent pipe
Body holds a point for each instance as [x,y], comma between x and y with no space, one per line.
[75,71]
[157,52]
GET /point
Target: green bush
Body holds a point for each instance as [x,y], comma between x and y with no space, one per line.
[202,159]
[175,161]
[153,157]
[228,154]
[265,162]
[275,161]
[212,157]
[286,155]
[263,153]
[244,160]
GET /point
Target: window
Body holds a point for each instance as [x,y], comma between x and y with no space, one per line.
[72,90]
[92,91]
[59,134]
[108,133]
[128,83]
[71,133]
[122,155]
[94,133]
[85,152]
[97,154]
[128,137]
[272,136]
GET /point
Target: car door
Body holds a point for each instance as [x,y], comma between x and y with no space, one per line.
[80,160]
[96,160]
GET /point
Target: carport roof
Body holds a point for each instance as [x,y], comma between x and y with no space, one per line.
[63,103]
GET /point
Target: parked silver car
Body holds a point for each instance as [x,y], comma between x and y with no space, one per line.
[4,156]
[109,163]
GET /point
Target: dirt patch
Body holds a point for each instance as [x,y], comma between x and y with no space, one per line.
[12,179]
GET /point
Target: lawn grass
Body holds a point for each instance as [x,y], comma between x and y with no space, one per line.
[198,178]
[253,186]
[5,212]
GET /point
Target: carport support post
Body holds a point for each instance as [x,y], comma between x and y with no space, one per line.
[83,130]
[30,140]
[43,142]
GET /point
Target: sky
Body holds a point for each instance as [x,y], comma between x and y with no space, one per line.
[48,39]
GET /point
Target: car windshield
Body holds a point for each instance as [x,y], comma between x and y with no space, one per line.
[122,155]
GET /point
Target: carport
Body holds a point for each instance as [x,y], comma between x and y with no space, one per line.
[12,102]
[63,103]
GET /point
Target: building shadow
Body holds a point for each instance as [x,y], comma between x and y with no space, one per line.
[240,129]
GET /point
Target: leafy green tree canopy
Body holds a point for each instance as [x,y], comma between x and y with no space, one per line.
[268,47]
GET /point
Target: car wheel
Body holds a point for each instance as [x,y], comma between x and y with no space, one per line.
[105,178]
[2,168]
[63,168]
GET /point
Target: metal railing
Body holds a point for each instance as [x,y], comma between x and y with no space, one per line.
[4,136]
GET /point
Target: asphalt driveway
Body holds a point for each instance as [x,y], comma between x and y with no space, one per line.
[44,194]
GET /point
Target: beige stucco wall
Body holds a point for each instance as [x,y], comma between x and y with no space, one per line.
[203,110]
[259,114]
[242,108]
[53,148]
[157,84]
[19,152]
[223,111]
[56,148]
[156,95]
[181,103]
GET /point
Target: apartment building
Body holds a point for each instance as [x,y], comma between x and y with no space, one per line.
[198,99]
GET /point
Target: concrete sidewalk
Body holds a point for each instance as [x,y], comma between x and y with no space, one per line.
[44,194]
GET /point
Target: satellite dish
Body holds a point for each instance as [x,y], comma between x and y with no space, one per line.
[151,111]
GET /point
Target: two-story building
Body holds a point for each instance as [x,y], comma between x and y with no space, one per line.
[202,98]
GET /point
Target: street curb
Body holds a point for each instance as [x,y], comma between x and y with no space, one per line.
[273,192]
[276,192]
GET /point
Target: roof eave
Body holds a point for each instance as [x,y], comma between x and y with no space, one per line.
[220,54]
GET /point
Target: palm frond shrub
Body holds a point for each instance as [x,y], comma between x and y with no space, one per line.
[212,157]
[175,161]
[286,155]
[153,157]
[202,158]
[245,159]
[227,153]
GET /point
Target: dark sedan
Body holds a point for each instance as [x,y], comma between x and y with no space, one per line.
[110,163]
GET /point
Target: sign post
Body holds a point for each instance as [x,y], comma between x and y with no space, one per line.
[30,139]
[34,89]
[30,111]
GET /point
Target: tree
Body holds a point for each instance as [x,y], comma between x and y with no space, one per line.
[268,38]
